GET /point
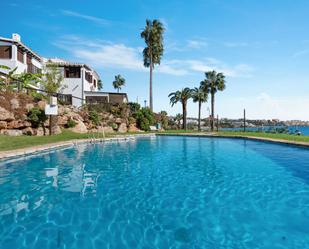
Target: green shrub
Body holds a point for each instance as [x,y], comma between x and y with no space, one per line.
[70,124]
[37,96]
[134,107]
[144,118]
[36,117]
[94,117]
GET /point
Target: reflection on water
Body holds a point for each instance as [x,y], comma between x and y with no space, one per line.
[157,193]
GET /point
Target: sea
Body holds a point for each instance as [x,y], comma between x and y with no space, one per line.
[304,130]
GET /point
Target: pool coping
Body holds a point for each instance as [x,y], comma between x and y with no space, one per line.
[58,145]
[9,154]
[261,139]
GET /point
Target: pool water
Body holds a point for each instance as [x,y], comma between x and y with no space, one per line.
[163,192]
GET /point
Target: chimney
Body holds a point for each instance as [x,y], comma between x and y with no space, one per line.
[16,37]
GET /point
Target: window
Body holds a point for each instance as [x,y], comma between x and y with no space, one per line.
[88,77]
[20,55]
[94,83]
[72,72]
[5,52]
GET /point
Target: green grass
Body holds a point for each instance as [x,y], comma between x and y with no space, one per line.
[11,143]
[287,137]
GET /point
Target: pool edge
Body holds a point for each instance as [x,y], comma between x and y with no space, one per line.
[9,154]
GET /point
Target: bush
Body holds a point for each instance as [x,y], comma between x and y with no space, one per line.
[36,117]
[94,117]
[37,96]
[144,118]
[70,124]
[134,107]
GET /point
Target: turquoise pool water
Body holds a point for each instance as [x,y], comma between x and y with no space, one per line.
[164,192]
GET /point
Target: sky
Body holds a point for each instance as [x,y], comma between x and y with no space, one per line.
[262,46]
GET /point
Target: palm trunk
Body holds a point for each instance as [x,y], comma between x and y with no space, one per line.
[212,111]
[150,84]
[118,90]
[199,115]
[184,115]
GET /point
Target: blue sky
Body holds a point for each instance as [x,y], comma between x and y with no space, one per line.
[261,46]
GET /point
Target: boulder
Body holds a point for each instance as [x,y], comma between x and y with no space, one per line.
[29,106]
[122,128]
[13,133]
[80,127]
[40,132]
[106,129]
[15,124]
[118,121]
[28,131]
[133,128]
[14,104]
[62,120]
[41,104]
[56,130]
[5,115]
[3,125]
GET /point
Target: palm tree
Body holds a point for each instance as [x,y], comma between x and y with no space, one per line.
[152,53]
[200,96]
[181,96]
[214,82]
[119,82]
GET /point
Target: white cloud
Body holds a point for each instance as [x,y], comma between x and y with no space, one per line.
[97,20]
[196,44]
[301,53]
[100,53]
[235,44]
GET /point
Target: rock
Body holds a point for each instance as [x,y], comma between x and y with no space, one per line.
[3,125]
[15,124]
[28,131]
[62,120]
[80,127]
[40,132]
[42,104]
[75,116]
[133,128]
[56,130]
[14,103]
[122,128]
[5,115]
[13,133]
[111,117]
[118,121]
[106,129]
[29,106]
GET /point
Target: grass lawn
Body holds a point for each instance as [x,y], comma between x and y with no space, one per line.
[266,135]
[11,143]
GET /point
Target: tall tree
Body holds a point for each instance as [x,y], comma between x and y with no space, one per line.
[212,83]
[119,82]
[182,97]
[199,95]
[152,53]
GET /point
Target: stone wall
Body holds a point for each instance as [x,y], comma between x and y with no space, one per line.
[14,122]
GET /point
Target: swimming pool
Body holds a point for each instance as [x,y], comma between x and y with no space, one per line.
[162,192]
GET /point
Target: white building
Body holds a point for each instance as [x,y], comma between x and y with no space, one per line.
[13,53]
[80,81]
